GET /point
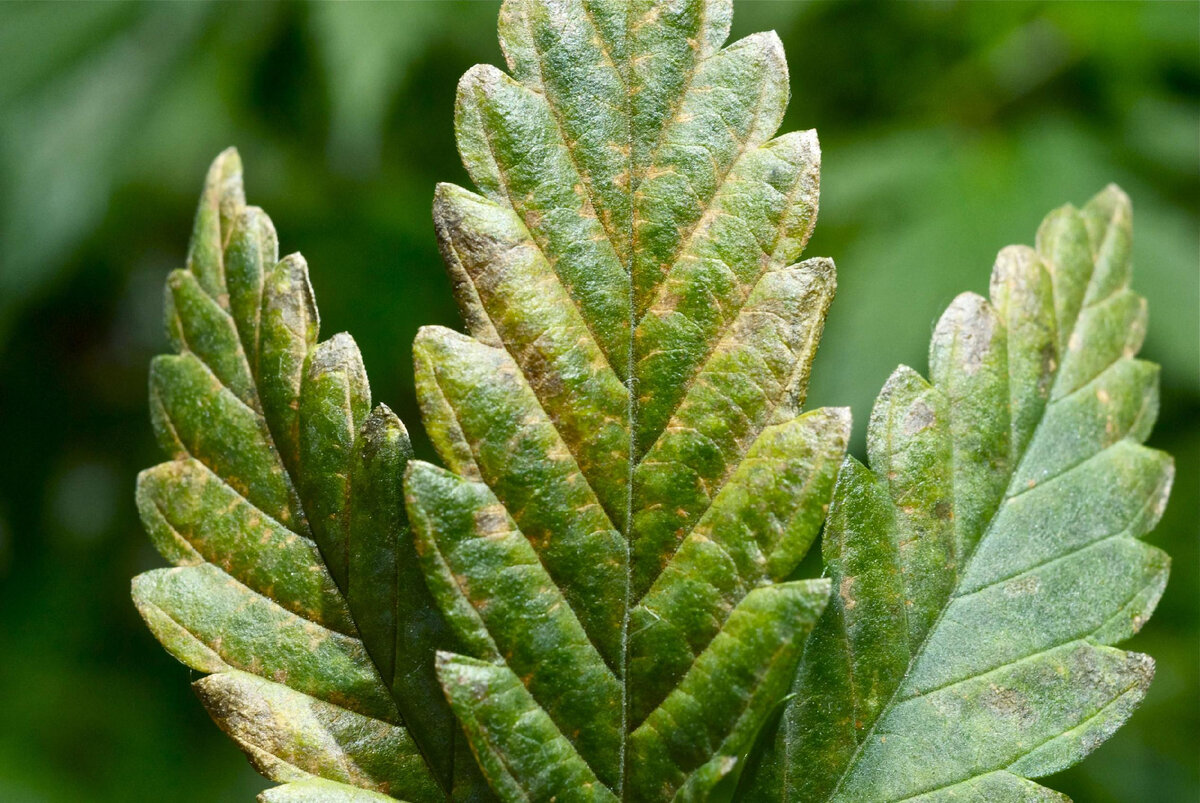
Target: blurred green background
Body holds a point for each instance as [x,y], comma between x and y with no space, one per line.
[948,131]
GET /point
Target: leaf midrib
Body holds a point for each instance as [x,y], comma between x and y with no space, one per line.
[631,406]
[634,460]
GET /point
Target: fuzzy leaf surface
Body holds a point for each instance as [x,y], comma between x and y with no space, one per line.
[630,482]
[295,582]
[986,561]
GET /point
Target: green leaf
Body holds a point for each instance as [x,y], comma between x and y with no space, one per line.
[296,582]
[989,557]
[632,484]
[318,790]
[498,713]
[600,596]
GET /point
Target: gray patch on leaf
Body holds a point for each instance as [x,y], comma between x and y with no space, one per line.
[920,418]
[1009,704]
[1022,586]
[975,338]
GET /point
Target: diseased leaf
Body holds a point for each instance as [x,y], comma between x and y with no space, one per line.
[295,734]
[319,790]
[631,482]
[520,748]
[600,598]
[297,582]
[989,556]
[693,739]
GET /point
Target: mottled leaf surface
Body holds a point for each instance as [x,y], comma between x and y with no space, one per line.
[630,480]
[986,561]
[599,596]
[295,580]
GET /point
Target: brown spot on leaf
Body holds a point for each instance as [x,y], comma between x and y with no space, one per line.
[845,591]
[1009,704]
[491,519]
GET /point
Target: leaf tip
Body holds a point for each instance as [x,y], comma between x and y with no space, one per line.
[479,76]
[1113,200]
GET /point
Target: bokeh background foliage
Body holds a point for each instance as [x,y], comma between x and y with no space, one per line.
[948,130]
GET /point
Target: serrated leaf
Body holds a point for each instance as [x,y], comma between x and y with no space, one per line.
[632,484]
[989,556]
[297,582]
[609,563]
